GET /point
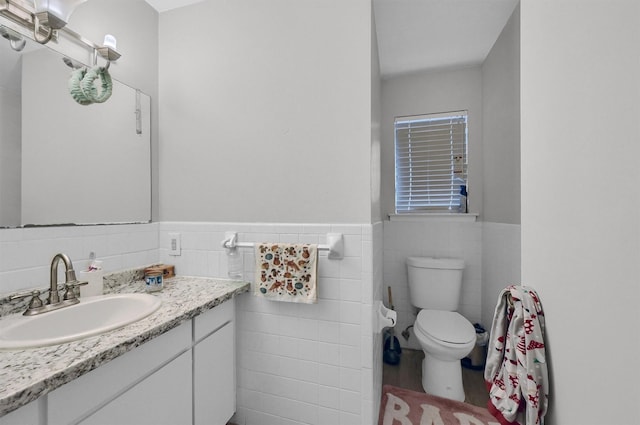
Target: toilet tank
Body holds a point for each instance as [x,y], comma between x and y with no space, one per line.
[435,283]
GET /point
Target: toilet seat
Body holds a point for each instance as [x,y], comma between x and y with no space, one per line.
[446,326]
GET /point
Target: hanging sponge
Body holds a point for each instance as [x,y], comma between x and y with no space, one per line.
[83,89]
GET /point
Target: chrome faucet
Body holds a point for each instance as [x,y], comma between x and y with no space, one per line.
[70,276]
[53,302]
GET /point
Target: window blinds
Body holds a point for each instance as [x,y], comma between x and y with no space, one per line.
[431,162]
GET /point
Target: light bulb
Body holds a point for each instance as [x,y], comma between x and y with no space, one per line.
[109,41]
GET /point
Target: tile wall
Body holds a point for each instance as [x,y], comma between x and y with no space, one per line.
[298,363]
[25,254]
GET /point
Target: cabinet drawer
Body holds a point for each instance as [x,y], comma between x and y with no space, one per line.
[213,319]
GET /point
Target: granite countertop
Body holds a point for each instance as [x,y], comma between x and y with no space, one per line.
[28,374]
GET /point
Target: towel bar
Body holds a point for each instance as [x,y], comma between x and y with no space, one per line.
[335,244]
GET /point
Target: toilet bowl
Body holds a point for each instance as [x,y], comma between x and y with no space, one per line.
[444,335]
[445,338]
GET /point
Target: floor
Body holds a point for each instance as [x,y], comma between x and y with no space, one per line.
[408,374]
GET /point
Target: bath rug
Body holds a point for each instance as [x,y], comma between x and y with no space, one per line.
[286,272]
[405,407]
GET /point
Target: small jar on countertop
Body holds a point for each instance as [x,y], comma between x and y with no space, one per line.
[153,279]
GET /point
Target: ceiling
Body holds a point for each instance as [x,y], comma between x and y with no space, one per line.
[164,5]
[418,35]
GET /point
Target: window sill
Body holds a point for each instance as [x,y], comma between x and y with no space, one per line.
[466,218]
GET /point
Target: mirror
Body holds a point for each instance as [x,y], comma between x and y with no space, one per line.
[62,163]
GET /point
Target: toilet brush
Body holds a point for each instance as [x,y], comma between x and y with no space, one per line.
[392,349]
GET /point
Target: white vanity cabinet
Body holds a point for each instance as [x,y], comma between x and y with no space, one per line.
[185,376]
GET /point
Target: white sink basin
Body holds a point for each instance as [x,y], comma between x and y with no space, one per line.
[92,316]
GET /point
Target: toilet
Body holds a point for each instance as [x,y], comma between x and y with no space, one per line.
[444,335]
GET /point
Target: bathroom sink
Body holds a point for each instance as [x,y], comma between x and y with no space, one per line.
[92,316]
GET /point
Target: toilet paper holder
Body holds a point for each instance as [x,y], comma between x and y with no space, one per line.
[384,317]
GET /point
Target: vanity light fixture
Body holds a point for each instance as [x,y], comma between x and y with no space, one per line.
[45,20]
[51,15]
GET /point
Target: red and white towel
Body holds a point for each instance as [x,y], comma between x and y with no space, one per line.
[516,369]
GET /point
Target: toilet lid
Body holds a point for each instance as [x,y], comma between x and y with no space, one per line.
[447,326]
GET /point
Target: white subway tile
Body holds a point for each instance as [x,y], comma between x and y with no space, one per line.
[308,238]
[350,356]
[329,375]
[351,268]
[367,349]
[308,392]
[329,310]
[352,245]
[328,331]
[366,387]
[328,268]
[308,371]
[329,353]
[288,347]
[350,312]
[350,402]
[308,414]
[350,290]
[308,349]
[287,388]
[368,414]
[328,416]
[329,397]
[350,379]
[329,288]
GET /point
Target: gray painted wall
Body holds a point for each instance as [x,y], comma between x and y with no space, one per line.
[501,118]
[580,200]
[501,262]
[266,112]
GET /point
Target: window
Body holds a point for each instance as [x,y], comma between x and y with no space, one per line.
[431,162]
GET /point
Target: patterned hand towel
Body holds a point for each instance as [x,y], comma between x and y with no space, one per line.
[516,369]
[286,272]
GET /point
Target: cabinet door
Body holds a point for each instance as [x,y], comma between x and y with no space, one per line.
[27,414]
[162,398]
[214,378]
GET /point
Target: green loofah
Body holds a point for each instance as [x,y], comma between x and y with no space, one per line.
[82,88]
[75,88]
[89,89]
